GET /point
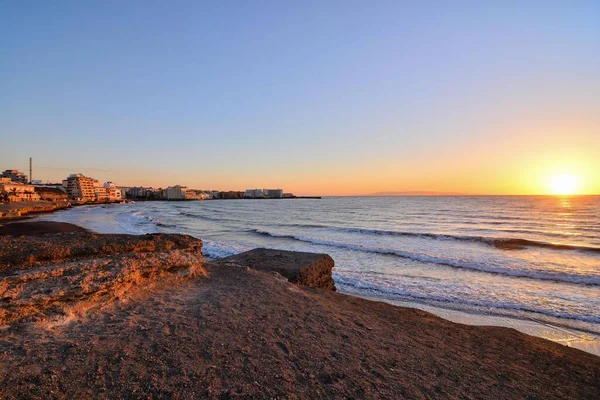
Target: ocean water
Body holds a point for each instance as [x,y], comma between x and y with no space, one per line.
[515,257]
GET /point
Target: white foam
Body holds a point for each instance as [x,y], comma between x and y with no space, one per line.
[481,267]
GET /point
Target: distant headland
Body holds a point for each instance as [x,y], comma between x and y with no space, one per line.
[419,193]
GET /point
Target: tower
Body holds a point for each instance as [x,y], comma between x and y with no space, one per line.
[30,171]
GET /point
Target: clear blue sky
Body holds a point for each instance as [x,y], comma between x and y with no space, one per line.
[315,97]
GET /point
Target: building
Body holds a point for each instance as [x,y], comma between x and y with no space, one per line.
[146,193]
[254,193]
[114,193]
[123,190]
[176,192]
[15,176]
[232,195]
[136,192]
[80,187]
[100,193]
[16,191]
[263,193]
[273,193]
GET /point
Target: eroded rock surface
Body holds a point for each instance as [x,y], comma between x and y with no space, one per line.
[22,208]
[307,269]
[62,275]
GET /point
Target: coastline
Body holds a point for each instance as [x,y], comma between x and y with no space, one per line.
[18,210]
[29,209]
[164,322]
[569,335]
[584,341]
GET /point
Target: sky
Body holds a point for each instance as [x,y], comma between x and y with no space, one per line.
[315,97]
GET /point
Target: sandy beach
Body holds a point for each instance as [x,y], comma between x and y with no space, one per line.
[161,322]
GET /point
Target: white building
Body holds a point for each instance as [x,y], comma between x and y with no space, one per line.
[273,193]
[254,193]
[176,192]
[114,193]
[262,193]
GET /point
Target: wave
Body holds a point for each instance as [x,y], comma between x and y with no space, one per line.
[388,290]
[186,214]
[215,250]
[501,243]
[519,273]
[207,218]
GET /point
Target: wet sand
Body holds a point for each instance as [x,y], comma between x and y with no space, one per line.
[31,228]
[581,340]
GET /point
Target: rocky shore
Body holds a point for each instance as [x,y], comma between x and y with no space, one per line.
[21,209]
[117,316]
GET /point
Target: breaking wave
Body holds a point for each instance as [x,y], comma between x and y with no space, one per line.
[362,285]
[501,243]
[533,274]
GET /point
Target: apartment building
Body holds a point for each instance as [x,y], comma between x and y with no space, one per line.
[80,187]
[176,192]
[273,193]
[114,193]
[262,193]
[15,176]
[253,193]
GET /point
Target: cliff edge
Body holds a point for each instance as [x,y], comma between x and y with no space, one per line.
[59,276]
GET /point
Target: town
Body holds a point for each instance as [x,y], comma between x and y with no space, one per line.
[76,189]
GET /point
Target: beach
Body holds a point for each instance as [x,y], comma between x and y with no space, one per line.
[171,324]
[527,263]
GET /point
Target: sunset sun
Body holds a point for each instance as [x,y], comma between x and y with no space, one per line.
[564,184]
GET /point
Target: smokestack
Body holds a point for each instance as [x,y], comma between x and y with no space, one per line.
[30,171]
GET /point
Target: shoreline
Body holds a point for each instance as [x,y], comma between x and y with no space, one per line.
[147,316]
[570,336]
[27,209]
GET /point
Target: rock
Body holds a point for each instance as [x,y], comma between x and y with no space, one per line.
[19,209]
[307,269]
[57,276]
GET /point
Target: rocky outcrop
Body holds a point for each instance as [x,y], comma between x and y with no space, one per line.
[307,269]
[58,276]
[20,209]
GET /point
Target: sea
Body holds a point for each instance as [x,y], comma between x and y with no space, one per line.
[527,262]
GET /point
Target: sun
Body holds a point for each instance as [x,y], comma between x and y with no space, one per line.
[564,184]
